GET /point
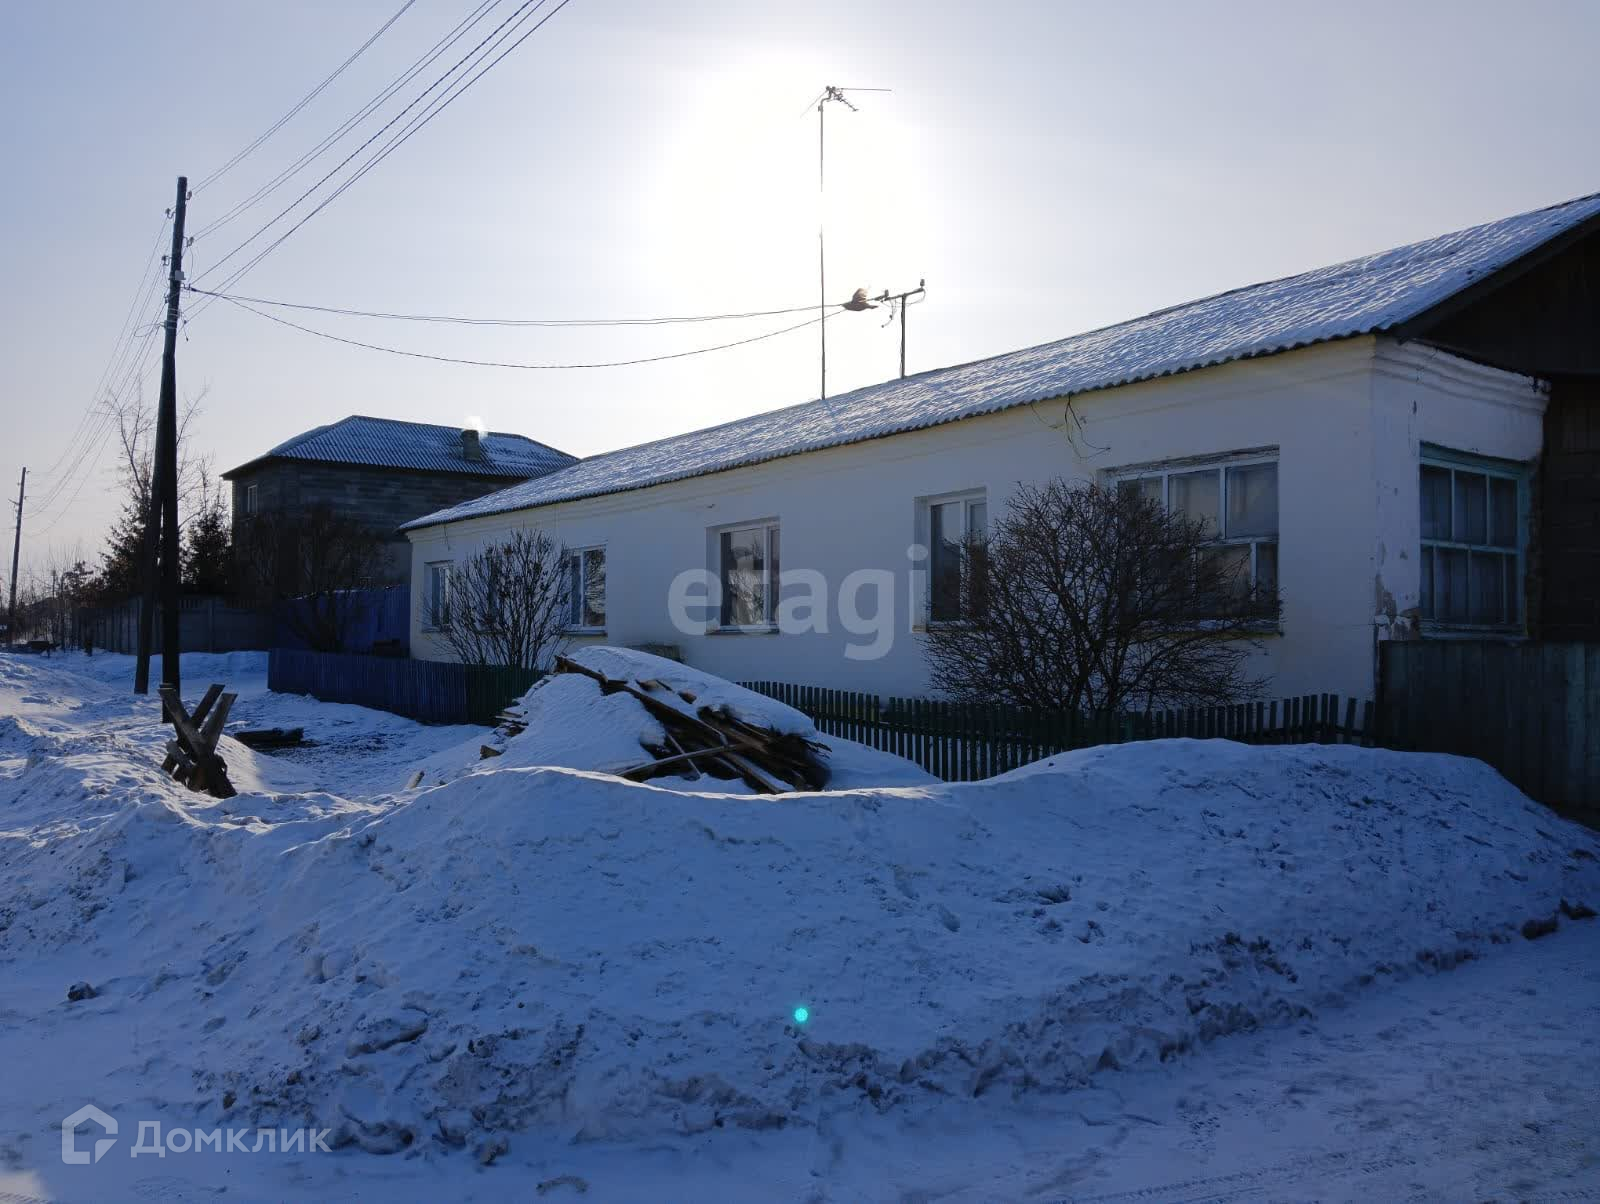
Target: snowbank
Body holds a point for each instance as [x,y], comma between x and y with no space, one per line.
[551,947]
[572,724]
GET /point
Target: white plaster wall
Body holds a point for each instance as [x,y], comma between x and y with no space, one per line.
[855,507]
[1423,395]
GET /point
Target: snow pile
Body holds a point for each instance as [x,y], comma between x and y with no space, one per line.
[692,690]
[573,724]
[551,947]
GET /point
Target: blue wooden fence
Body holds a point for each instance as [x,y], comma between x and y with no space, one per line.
[429,691]
[382,616]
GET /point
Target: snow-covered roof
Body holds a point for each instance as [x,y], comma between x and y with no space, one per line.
[1362,296]
[421,446]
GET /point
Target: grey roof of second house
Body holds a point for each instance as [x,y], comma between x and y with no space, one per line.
[1375,293]
[418,446]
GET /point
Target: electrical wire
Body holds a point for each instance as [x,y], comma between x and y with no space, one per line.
[417,123]
[119,349]
[517,322]
[416,68]
[89,461]
[353,154]
[450,359]
[302,103]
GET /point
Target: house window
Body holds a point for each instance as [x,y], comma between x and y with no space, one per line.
[952,522]
[437,597]
[1472,520]
[250,499]
[747,567]
[586,589]
[1236,504]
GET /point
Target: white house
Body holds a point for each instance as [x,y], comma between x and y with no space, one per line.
[1368,435]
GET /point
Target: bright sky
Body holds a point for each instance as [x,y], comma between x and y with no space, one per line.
[1048,167]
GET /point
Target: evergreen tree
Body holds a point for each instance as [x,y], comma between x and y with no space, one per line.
[208,550]
[120,575]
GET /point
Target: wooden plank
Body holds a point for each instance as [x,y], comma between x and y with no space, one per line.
[754,774]
[1575,672]
[212,731]
[1533,684]
[1589,792]
[207,701]
[208,767]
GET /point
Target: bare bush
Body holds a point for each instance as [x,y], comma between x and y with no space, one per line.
[1096,600]
[509,603]
[319,567]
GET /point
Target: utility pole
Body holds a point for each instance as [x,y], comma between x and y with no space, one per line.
[16,551]
[920,290]
[161,523]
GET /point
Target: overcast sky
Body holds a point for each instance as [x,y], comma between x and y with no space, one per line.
[1048,167]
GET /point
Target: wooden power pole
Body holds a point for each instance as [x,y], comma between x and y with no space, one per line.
[16,551]
[161,522]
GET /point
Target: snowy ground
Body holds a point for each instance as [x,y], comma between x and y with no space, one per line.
[1161,972]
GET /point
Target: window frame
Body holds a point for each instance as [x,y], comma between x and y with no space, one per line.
[436,570]
[1520,475]
[577,601]
[925,508]
[252,504]
[1220,464]
[771,573]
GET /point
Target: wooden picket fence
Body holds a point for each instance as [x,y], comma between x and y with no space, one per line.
[964,742]
[429,691]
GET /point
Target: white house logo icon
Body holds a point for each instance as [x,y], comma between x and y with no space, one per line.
[70,1153]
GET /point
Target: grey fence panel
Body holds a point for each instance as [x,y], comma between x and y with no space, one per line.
[1530,709]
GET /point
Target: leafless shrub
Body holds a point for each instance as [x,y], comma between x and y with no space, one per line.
[318,566]
[507,604]
[1098,600]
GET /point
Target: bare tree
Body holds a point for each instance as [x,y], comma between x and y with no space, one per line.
[510,602]
[1091,599]
[121,573]
[319,567]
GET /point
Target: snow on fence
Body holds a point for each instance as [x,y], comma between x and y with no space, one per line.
[428,691]
[965,742]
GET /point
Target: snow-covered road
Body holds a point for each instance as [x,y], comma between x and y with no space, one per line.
[1478,1084]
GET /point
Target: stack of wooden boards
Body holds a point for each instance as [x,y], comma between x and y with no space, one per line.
[707,741]
[192,755]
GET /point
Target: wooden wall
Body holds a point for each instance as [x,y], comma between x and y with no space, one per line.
[1568,537]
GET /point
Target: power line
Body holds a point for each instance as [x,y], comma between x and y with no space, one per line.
[119,350]
[103,423]
[449,359]
[305,160]
[399,139]
[114,380]
[519,13]
[518,322]
[94,449]
[302,103]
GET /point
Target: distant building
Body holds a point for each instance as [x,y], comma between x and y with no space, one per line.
[1407,446]
[384,473]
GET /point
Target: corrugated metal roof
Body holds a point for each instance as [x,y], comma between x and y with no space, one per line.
[422,446]
[1362,296]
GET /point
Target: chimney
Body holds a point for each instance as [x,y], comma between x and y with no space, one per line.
[471,445]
